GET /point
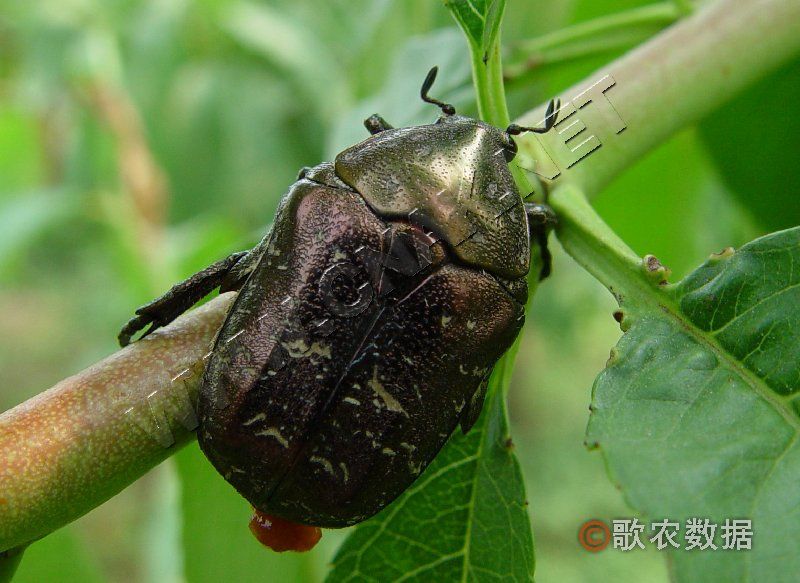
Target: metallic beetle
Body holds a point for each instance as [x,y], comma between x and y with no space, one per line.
[368,320]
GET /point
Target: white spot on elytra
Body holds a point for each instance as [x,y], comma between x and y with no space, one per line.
[259,417]
[274,432]
[299,348]
[388,399]
[324,463]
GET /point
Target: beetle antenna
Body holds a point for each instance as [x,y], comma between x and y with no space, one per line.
[446,108]
[549,121]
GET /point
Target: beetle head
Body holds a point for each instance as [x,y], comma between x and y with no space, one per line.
[452,179]
[448,110]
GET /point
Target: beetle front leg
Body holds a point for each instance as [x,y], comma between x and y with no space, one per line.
[179,298]
[375,124]
[541,219]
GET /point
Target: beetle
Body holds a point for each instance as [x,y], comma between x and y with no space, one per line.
[368,320]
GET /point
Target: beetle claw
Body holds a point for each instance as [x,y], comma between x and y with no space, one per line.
[375,124]
[182,296]
[133,326]
[541,219]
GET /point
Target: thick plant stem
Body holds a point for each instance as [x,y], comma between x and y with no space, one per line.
[76,445]
[672,81]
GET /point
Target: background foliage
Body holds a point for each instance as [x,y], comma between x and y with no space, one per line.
[140,141]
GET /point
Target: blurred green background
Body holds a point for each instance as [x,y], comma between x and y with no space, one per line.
[142,140]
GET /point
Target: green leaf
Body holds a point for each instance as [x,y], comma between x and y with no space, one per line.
[697,411]
[480,20]
[465,518]
[754,140]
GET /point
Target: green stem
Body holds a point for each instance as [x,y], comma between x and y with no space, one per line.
[490,95]
[663,13]
[592,37]
[597,248]
[522,71]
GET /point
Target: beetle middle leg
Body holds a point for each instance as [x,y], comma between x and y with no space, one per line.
[541,219]
[375,124]
[180,298]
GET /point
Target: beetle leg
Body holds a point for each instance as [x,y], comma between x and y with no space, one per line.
[470,413]
[375,124]
[541,219]
[178,299]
